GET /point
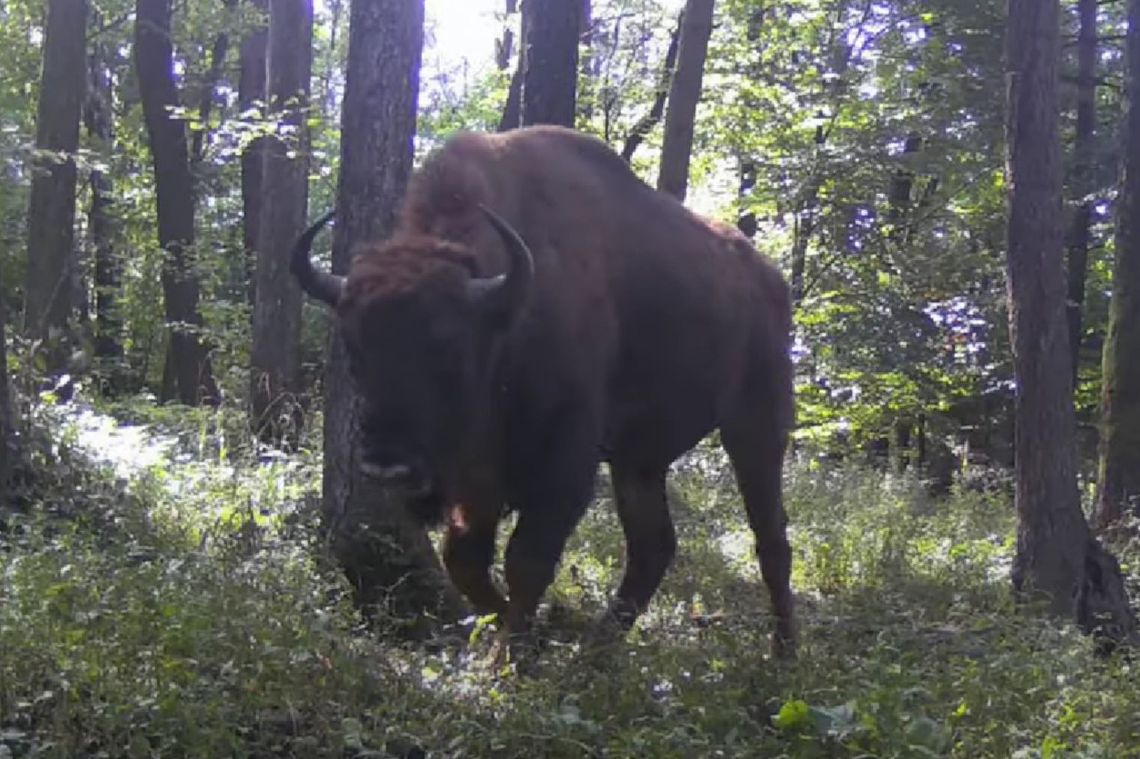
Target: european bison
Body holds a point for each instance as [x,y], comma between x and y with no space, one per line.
[539,309]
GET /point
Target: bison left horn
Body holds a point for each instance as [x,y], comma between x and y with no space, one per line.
[321,285]
[505,293]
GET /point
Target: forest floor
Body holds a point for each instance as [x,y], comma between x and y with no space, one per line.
[163,594]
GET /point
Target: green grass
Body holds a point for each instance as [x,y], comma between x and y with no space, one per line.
[191,614]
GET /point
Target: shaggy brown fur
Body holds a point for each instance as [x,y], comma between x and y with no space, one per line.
[645,328]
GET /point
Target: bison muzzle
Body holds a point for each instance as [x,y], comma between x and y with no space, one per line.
[539,310]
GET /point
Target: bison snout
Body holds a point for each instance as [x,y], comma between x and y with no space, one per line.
[410,480]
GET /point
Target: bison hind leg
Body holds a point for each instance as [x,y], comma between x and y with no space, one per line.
[756,448]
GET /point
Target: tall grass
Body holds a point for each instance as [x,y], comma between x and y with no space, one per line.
[189,613]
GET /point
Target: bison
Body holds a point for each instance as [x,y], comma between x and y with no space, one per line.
[538,310]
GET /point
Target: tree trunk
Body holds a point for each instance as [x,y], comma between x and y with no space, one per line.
[1057,557]
[369,533]
[51,211]
[275,357]
[585,88]
[1082,185]
[1120,433]
[6,437]
[550,61]
[174,190]
[651,119]
[251,100]
[505,45]
[683,96]
[99,121]
[512,109]
[746,218]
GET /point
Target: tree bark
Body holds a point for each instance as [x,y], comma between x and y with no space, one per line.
[683,96]
[512,109]
[1120,434]
[505,45]
[51,210]
[6,437]
[251,100]
[1082,185]
[550,61]
[174,191]
[651,119]
[369,533]
[1057,557]
[275,356]
[746,218]
[99,121]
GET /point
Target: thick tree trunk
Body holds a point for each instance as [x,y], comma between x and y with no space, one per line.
[683,96]
[1082,185]
[550,61]
[51,211]
[251,99]
[99,121]
[174,190]
[1120,433]
[275,357]
[379,547]
[1057,557]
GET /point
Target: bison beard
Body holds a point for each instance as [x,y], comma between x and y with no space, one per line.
[502,354]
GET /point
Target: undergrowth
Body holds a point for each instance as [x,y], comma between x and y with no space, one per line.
[187,611]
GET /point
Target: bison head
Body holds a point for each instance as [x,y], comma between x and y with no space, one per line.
[422,334]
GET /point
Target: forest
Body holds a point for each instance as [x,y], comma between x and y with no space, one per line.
[195,560]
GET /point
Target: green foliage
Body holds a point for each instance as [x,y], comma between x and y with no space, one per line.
[197,616]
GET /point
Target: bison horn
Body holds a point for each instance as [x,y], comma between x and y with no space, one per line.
[504,293]
[321,285]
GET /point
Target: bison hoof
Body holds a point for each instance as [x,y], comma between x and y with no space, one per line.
[517,652]
[783,647]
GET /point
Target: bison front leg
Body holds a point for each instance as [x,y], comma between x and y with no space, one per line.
[547,518]
[468,551]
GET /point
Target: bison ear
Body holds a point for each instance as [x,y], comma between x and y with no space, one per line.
[502,296]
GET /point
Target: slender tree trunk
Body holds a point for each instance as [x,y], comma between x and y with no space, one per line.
[512,109]
[51,211]
[174,190]
[370,534]
[585,90]
[646,123]
[1057,557]
[1082,176]
[550,61]
[99,121]
[6,438]
[1120,433]
[275,357]
[683,96]
[746,218]
[505,45]
[251,99]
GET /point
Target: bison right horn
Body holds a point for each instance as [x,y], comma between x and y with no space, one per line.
[320,285]
[505,293]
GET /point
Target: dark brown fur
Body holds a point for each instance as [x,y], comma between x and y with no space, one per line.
[645,328]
